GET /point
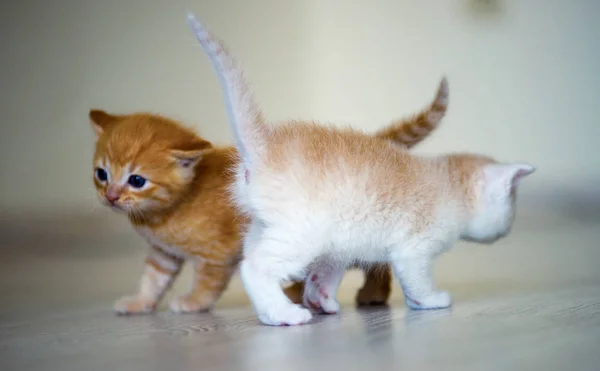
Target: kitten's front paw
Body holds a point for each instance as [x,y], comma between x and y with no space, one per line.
[317,298]
[290,315]
[134,305]
[436,300]
[186,304]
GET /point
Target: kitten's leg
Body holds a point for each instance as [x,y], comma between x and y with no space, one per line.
[375,291]
[416,279]
[210,281]
[267,264]
[377,287]
[321,287]
[295,292]
[160,271]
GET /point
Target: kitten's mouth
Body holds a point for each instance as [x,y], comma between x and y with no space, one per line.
[115,206]
[120,208]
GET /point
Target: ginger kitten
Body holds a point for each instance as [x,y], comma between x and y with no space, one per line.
[173,186]
[322,198]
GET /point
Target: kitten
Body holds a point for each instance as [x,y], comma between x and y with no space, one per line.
[172,184]
[322,198]
[406,133]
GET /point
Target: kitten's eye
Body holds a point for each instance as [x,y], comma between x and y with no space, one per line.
[101,174]
[136,181]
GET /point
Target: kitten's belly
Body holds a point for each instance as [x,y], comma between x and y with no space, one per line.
[363,247]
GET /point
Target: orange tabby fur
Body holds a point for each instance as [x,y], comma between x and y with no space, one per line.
[184,212]
[189,214]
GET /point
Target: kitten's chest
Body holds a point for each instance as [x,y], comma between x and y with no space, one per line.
[174,241]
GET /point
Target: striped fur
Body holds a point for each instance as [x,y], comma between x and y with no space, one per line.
[409,132]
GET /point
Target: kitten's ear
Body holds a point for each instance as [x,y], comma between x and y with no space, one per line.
[509,174]
[100,120]
[190,157]
[520,171]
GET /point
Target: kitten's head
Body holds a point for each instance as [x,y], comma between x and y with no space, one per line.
[493,187]
[143,162]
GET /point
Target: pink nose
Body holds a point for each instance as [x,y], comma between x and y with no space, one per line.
[112,195]
[112,199]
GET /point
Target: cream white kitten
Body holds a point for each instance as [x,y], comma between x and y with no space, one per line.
[322,198]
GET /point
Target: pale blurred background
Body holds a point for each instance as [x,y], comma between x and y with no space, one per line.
[524,85]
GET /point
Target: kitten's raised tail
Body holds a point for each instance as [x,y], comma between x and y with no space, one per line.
[245,117]
[409,132]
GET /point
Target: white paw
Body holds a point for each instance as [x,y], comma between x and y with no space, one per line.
[290,315]
[436,300]
[134,305]
[317,298]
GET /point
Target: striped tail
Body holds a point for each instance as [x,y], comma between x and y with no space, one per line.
[408,132]
[245,117]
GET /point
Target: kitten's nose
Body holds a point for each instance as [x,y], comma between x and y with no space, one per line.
[112,194]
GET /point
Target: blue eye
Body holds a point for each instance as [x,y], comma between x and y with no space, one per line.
[101,174]
[136,181]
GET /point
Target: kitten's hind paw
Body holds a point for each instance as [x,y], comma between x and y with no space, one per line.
[290,315]
[317,298]
[436,300]
[134,305]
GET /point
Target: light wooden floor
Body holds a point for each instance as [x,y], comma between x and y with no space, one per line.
[531,302]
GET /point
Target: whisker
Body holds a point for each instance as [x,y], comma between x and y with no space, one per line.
[93,203]
[137,214]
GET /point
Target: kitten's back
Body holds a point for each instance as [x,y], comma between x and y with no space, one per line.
[343,176]
[326,155]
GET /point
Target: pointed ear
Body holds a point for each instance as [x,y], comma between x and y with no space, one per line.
[509,174]
[520,171]
[101,120]
[188,158]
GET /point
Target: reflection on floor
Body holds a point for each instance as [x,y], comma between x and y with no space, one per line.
[529,302]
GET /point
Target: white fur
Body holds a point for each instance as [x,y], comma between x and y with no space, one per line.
[321,287]
[295,234]
[291,232]
[495,212]
[243,114]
